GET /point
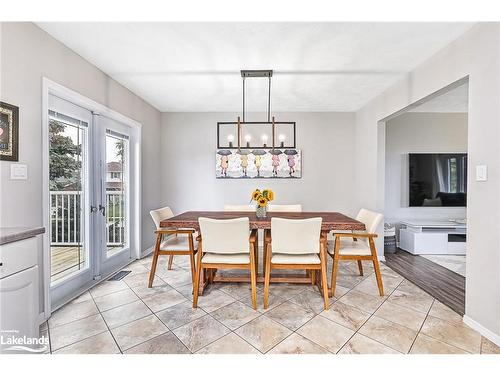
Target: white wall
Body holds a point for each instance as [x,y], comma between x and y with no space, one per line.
[476,55]
[28,54]
[188,145]
[413,133]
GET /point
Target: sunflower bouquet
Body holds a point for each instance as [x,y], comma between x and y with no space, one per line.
[262,198]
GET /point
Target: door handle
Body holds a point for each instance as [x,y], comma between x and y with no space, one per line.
[93,209]
[102,209]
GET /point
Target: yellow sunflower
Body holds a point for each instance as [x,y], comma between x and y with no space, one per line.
[256,195]
[270,195]
[262,201]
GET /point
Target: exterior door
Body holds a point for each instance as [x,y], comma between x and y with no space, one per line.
[90,186]
[71,171]
[114,192]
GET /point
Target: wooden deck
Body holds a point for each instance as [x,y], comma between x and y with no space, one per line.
[67,259]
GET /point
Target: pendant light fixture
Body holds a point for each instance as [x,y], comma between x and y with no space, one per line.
[241,123]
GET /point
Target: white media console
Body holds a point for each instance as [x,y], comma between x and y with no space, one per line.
[433,237]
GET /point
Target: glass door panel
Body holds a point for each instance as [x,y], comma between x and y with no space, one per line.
[68,153]
[70,232]
[116,192]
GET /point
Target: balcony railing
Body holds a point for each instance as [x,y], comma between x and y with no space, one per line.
[66,220]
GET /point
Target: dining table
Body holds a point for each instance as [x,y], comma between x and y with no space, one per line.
[331,221]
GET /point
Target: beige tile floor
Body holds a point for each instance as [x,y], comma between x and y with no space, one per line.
[127,317]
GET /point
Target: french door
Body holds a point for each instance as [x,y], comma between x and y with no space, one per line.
[113,192]
[90,190]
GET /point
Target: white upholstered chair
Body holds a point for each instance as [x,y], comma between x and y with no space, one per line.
[170,242]
[359,246]
[226,244]
[246,208]
[278,208]
[296,244]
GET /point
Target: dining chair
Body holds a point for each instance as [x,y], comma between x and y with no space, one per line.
[296,244]
[226,244]
[247,208]
[177,242]
[358,246]
[278,208]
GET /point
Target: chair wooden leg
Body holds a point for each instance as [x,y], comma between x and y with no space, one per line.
[313,276]
[324,283]
[170,260]
[335,266]
[193,265]
[155,260]
[360,267]
[264,256]
[253,277]
[256,250]
[197,278]
[192,252]
[267,277]
[211,273]
[376,267]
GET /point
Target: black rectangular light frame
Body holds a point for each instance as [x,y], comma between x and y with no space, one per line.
[256,73]
[255,123]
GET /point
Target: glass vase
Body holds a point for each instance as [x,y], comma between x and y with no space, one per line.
[261,212]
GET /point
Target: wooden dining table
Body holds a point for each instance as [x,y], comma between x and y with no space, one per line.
[331,221]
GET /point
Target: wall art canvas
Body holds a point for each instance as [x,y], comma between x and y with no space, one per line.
[259,163]
[9,132]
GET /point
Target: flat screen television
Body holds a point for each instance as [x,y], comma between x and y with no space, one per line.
[438,180]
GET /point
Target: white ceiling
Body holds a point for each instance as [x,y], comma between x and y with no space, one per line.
[195,66]
[454,101]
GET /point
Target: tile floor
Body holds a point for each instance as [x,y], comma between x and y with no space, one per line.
[127,317]
[455,263]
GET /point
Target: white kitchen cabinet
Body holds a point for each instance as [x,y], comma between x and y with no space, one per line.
[19,295]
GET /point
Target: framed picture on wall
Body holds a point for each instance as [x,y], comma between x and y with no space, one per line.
[259,163]
[9,132]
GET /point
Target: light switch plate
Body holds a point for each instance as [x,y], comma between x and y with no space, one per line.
[18,171]
[481,173]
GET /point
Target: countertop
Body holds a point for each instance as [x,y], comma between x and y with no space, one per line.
[14,234]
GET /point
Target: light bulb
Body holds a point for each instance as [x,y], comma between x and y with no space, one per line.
[248,137]
[264,138]
[282,137]
[230,138]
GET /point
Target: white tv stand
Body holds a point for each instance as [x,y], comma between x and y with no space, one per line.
[433,237]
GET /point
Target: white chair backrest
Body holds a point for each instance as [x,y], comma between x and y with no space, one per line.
[296,236]
[225,236]
[371,219]
[285,208]
[240,207]
[161,214]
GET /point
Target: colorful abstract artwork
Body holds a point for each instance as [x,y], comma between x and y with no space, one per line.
[258,163]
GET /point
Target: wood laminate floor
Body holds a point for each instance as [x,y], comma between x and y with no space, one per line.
[446,286]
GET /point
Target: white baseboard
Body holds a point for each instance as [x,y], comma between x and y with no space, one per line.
[42,318]
[482,330]
[147,252]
